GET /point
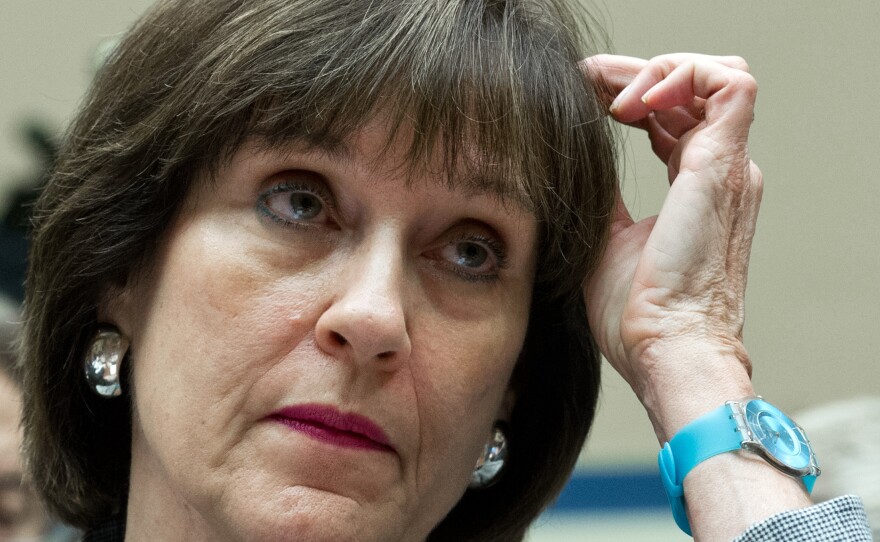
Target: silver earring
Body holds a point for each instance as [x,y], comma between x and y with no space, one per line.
[103,360]
[489,465]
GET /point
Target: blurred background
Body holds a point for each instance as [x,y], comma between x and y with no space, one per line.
[814,289]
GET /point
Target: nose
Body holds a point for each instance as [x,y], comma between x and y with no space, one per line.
[365,321]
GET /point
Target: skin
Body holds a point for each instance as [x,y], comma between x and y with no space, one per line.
[365,307]
[667,302]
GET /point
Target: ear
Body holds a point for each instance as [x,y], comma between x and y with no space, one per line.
[505,410]
[115,307]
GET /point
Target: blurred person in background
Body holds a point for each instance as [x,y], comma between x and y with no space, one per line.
[846,435]
[22,516]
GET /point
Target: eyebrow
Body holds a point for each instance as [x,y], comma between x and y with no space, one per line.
[336,150]
[473,184]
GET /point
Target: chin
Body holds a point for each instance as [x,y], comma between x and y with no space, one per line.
[310,515]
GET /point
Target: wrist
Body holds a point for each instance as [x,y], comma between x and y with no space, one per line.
[733,447]
[685,379]
[753,491]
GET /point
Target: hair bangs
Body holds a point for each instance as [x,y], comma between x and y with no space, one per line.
[485,90]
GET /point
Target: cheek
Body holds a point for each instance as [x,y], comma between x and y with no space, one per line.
[467,363]
[461,376]
[471,355]
[217,319]
[225,296]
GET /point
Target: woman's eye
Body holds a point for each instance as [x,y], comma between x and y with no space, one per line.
[304,206]
[295,204]
[475,257]
[467,254]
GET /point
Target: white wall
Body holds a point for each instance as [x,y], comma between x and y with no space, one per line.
[47,51]
[813,297]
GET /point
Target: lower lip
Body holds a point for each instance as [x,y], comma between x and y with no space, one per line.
[344,439]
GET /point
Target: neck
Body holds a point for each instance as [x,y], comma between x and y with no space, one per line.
[156,511]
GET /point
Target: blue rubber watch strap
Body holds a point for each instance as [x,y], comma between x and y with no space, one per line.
[809,482]
[709,435]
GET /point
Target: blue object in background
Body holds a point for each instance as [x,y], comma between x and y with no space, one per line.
[612,490]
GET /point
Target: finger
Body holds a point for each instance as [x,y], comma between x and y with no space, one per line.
[705,80]
[612,73]
[675,80]
[734,62]
[641,124]
[616,72]
[662,142]
[676,121]
[681,119]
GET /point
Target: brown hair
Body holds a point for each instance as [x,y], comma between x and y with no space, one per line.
[194,78]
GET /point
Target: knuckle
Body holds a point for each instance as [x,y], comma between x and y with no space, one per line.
[745,82]
[591,62]
[665,63]
[738,62]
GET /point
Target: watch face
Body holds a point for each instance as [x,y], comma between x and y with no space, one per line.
[780,436]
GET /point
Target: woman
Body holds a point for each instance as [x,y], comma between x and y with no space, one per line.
[341,251]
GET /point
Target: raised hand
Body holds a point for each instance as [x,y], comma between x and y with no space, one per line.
[666,303]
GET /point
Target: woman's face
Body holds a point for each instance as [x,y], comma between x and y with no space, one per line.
[320,349]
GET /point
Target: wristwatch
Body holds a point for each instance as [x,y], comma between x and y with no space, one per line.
[751,424]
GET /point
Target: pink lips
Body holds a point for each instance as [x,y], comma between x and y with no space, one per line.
[329,425]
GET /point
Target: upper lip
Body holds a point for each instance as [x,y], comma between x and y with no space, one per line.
[333,418]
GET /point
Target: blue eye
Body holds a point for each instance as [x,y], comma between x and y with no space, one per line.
[470,254]
[475,257]
[304,206]
[296,204]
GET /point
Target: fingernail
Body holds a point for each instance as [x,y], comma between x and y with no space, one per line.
[617,101]
[646,96]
